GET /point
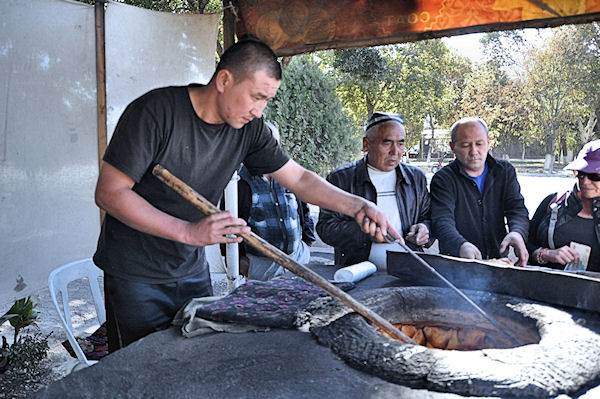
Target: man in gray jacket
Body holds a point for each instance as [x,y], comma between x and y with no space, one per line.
[398,189]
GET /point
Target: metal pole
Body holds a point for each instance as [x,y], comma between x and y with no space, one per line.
[232,251]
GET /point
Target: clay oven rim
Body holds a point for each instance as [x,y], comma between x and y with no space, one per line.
[561,358]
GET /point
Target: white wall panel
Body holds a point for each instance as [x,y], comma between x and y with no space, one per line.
[48,132]
[149,49]
[48,150]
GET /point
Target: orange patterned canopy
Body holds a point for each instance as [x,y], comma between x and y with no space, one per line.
[296,26]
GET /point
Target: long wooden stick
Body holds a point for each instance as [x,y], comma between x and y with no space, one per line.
[280,257]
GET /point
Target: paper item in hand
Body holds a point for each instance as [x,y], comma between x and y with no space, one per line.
[354,273]
[584,255]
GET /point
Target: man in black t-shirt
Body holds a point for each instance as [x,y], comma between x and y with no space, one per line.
[151,243]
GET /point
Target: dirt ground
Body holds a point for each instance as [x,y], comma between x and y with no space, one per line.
[59,363]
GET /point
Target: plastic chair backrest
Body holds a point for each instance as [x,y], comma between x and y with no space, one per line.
[58,282]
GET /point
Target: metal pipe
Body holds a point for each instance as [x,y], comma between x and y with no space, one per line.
[232,259]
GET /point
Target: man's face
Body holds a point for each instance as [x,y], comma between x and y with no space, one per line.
[386,147]
[471,147]
[242,101]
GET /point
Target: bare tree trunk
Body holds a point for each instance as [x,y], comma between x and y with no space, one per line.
[431,142]
[563,151]
[586,132]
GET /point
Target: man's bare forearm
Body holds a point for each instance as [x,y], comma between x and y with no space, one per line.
[115,196]
[313,189]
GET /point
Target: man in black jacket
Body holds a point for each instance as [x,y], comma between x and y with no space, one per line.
[472,196]
[398,189]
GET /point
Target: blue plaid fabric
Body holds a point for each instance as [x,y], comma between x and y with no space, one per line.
[274,213]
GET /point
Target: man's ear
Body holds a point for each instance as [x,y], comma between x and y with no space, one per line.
[452,147]
[224,79]
[365,143]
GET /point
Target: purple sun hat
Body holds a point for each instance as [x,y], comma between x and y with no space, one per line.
[588,159]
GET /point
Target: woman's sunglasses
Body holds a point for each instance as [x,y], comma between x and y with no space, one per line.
[592,176]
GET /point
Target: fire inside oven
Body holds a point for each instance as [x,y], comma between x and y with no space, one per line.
[462,338]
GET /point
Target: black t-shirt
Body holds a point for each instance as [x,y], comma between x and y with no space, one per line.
[161,127]
[579,230]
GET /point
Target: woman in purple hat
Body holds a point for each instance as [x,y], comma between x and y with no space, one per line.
[565,230]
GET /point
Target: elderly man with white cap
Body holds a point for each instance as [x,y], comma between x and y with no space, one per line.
[400,190]
[565,229]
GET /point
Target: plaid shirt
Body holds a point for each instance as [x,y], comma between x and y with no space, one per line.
[273,213]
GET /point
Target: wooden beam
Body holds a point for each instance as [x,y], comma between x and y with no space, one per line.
[100,83]
[229,17]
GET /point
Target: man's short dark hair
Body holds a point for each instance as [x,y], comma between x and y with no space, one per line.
[247,56]
[464,120]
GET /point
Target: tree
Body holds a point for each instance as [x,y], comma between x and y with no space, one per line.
[315,130]
[498,99]
[589,37]
[419,80]
[429,83]
[503,48]
[554,74]
[363,76]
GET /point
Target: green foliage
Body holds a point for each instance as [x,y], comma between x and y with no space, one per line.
[429,83]
[26,352]
[491,95]
[21,314]
[421,81]
[25,356]
[544,96]
[178,6]
[314,128]
[503,48]
[555,74]
[364,77]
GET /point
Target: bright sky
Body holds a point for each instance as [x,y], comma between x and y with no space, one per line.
[466,45]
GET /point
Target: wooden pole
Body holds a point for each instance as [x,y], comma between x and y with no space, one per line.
[100,84]
[228,24]
[281,257]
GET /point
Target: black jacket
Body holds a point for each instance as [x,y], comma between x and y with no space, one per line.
[461,213]
[344,234]
[567,208]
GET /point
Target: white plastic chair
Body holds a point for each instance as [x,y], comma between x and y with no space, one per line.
[58,281]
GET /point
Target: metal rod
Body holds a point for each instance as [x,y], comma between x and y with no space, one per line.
[281,257]
[458,291]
